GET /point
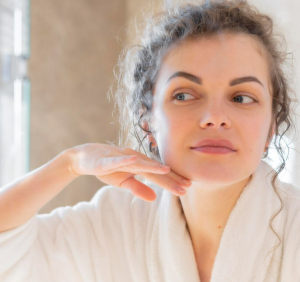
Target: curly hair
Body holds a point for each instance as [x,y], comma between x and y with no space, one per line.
[139,66]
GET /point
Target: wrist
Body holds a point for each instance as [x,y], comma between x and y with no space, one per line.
[69,155]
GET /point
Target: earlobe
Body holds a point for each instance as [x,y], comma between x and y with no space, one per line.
[149,135]
[145,126]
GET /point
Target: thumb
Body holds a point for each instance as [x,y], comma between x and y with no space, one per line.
[139,189]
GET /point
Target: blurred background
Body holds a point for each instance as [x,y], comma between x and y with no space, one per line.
[56,68]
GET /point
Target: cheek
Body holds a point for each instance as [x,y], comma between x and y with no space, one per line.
[254,132]
[171,131]
[170,123]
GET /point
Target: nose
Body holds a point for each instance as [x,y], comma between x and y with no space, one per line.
[214,115]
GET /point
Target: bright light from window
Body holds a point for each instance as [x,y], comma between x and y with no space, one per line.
[275,160]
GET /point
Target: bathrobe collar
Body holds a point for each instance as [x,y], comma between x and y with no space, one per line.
[247,239]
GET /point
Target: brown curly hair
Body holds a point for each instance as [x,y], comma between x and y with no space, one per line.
[139,66]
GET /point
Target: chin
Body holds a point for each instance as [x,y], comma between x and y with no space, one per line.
[210,175]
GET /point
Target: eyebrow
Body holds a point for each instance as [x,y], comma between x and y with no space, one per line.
[198,80]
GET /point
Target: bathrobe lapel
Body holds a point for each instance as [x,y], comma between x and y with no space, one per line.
[244,246]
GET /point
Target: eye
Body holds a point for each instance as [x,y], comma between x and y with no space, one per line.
[181,96]
[243,99]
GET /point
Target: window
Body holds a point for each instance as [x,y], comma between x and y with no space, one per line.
[287,175]
[14,89]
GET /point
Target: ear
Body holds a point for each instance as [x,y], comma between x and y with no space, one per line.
[150,137]
[145,124]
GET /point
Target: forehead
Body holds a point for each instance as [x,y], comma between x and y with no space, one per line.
[224,56]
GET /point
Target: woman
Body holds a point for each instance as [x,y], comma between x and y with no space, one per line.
[208,92]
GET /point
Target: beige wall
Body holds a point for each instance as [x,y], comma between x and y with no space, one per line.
[73,52]
[135,12]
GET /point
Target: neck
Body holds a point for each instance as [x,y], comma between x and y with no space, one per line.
[207,211]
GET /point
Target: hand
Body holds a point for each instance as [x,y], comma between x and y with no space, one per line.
[117,166]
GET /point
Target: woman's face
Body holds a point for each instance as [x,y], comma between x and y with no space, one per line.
[210,106]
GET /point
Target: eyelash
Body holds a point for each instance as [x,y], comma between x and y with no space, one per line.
[175,95]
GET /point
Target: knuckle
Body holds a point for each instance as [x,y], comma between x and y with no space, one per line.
[123,184]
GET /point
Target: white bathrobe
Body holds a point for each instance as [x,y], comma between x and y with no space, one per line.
[118,237]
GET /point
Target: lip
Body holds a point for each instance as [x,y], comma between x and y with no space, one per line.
[215,143]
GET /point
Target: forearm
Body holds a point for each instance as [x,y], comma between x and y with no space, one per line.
[22,199]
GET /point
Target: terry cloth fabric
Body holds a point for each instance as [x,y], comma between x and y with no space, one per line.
[120,238]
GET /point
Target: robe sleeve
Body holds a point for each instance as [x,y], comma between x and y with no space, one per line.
[65,245]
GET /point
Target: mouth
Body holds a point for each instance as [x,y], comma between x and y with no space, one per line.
[224,143]
[214,150]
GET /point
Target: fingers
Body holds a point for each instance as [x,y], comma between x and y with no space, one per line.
[182,181]
[131,164]
[167,182]
[111,163]
[139,189]
[150,170]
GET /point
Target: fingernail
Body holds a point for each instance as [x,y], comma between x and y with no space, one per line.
[180,189]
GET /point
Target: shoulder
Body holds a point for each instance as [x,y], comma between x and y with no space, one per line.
[291,209]
[120,212]
[291,227]
[122,203]
[108,195]
[291,195]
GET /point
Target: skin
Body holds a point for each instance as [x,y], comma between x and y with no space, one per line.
[210,111]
